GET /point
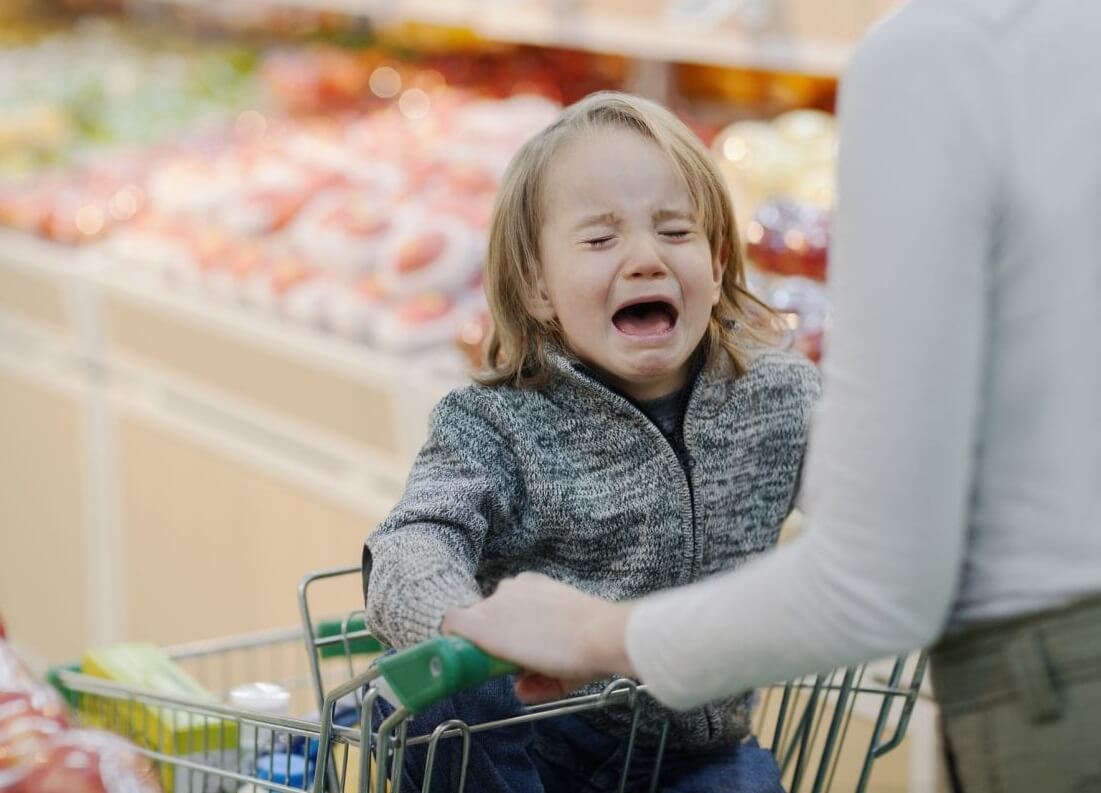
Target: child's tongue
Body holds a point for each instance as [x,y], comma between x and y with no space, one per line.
[643,320]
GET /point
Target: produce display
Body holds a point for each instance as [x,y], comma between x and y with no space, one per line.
[40,750]
[787,237]
[74,92]
[781,176]
[371,226]
[341,189]
[804,308]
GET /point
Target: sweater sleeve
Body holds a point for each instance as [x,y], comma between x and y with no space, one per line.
[893,444]
[424,557]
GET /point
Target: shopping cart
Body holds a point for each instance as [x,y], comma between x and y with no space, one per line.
[335,673]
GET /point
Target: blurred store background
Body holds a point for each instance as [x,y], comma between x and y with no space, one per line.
[240,259]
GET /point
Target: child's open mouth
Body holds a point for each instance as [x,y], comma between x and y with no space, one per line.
[645,318]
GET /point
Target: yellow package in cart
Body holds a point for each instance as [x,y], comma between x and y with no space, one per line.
[163,728]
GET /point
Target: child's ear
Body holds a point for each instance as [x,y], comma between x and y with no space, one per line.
[718,269]
[541,306]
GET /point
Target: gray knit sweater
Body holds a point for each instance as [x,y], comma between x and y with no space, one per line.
[574,481]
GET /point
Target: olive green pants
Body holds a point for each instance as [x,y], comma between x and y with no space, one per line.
[1021,703]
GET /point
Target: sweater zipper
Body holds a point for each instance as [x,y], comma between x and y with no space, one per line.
[686,487]
[687,491]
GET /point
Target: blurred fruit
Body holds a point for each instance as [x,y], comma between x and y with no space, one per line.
[789,238]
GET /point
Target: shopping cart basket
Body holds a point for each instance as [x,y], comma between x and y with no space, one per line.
[335,674]
[805,722]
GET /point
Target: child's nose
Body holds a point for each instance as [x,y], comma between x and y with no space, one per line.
[644,261]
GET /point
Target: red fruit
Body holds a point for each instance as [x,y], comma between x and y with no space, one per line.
[287,274]
[280,206]
[360,220]
[368,288]
[471,179]
[86,761]
[425,308]
[419,252]
[245,259]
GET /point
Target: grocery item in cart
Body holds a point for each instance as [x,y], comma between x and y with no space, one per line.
[161,728]
[285,768]
[86,761]
[31,715]
[41,753]
[255,742]
[21,741]
[23,696]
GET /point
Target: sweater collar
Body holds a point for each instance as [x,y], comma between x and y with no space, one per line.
[708,386]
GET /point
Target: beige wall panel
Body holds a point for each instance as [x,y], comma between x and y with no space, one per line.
[34,297]
[214,548]
[354,410]
[42,544]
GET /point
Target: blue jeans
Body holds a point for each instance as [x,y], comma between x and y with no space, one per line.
[564,754]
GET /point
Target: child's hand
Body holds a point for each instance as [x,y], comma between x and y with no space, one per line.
[534,688]
[562,638]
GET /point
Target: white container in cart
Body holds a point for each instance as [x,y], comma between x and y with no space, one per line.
[268,699]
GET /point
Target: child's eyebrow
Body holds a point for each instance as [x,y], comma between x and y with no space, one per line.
[672,214]
[603,219]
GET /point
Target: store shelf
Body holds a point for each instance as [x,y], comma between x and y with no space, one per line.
[33,281]
[129,495]
[644,33]
[797,36]
[339,356]
[57,266]
[348,391]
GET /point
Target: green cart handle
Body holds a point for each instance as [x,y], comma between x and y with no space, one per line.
[422,675]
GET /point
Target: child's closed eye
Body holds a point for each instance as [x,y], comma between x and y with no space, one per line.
[676,234]
[598,242]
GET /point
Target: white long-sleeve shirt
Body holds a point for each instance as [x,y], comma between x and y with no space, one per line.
[954,469]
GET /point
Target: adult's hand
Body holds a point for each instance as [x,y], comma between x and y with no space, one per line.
[560,637]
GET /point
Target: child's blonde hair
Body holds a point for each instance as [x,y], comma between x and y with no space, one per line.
[517,344]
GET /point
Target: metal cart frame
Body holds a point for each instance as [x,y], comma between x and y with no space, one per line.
[805,723]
